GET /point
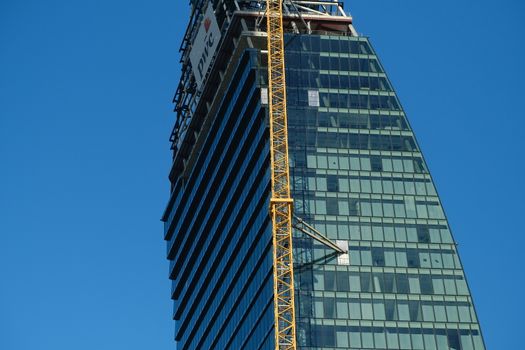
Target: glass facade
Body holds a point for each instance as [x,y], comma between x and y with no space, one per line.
[358,176]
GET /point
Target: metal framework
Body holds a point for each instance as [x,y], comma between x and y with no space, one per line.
[311,232]
[281,204]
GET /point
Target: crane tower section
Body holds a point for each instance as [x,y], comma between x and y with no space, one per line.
[281,204]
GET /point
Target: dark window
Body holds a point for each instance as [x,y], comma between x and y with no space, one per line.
[332,206]
[379,285]
[453,340]
[376,163]
[425,282]
[365,282]
[378,257]
[413,258]
[332,183]
[329,307]
[389,282]
[353,208]
[364,48]
[402,284]
[423,235]
[343,284]
[415,311]
[390,310]
[329,280]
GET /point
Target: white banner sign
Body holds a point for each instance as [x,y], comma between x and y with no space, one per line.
[204,45]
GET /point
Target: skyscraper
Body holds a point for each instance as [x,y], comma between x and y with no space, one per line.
[358,177]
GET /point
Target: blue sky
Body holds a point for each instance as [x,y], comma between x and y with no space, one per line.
[85,116]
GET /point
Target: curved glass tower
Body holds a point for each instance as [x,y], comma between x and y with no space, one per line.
[358,177]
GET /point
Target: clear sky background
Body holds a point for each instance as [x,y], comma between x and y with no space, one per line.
[85,116]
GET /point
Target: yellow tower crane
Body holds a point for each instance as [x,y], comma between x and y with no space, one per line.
[281,203]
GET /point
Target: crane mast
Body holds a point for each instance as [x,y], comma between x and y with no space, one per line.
[281,203]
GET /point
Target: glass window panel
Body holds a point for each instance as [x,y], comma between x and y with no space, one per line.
[404,339]
[464,313]
[389,282]
[391,338]
[343,280]
[436,260]
[397,165]
[421,189]
[379,338]
[412,234]
[377,208]
[320,207]
[378,257]
[390,310]
[321,183]
[403,311]
[478,343]
[344,185]
[333,162]
[410,205]
[425,282]
[466,342]
[410,188]
[452,313]
[322,163]
[366,257]
[428,313]
[424,259]
[318,281]
[377,233]
[354,163]
[389,234]
[430,341]
[329,280]
[366,232]
[367,337]
[398,187]
[342,339]
[355,282]
[440,313]
[448,261]
[417,341]
[390,258]
[319,308]
[442,342]
[376,186]
[332,206]
[388,210]
[365,164]
[355,337]
[379,310]
[414,285]
[401,235]
[387,164]
[354,232]
[401,258]
[355,257]
[342,310]
[343,163]
[311,161]
[450,286]
[453,340]
[388,186]
[365,282]
[366,187]
[329,307]
[355,310]
[355,186]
